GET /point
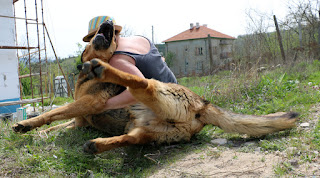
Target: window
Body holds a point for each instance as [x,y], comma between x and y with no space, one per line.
[215,50]
[199,65]
[186,48]
[199,51]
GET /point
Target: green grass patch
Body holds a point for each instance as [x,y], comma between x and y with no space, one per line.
[60,154]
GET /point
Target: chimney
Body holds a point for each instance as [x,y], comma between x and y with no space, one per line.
[191,26]
[197,25]
[205,25]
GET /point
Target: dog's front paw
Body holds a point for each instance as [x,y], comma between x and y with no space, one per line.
[98,69]
[93,68]
[90,147]
[21,128]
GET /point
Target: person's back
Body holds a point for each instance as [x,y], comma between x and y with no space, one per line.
[146,58]
[134,44]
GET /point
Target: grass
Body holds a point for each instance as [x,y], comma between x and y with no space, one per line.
[57,101]
[60,154]
[288,88]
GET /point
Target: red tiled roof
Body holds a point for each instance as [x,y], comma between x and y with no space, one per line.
[196,33]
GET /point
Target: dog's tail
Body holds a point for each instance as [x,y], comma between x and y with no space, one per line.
[249,124]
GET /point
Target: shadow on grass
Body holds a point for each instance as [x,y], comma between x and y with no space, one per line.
[61,153]
[135,160]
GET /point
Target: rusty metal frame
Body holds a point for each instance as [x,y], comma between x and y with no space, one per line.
[28,47]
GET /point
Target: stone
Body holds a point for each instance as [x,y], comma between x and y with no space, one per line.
[305,124]
[219,141]
[294,162]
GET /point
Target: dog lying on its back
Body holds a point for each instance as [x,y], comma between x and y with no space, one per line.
[166,113]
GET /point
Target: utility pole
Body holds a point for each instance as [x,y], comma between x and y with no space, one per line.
[152,35]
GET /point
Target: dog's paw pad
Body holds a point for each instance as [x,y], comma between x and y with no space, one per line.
[95,62]
[90,147]
[91,76]
[21,128]
[86,67]
[99,71]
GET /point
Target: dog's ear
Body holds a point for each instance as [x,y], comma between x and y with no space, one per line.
[82,56]
[79,67]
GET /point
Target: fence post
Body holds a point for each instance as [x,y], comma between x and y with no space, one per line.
[279,38]
[54,84]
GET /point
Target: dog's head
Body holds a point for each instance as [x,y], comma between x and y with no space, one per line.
[102,45]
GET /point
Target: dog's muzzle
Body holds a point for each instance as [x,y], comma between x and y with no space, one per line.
[103,38]
[100,42]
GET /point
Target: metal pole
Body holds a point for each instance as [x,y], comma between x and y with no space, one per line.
[55,54]
[45,53]
[31,86]
[41,92]
[16,17]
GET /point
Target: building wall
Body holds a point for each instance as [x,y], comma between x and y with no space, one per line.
[9,79]
[192,56]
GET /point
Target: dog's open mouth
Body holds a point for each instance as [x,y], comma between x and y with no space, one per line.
[103,38]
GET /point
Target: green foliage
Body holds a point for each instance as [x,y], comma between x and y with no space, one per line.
[273,145]
[23,69]
[279,90]
[79,53]
[57,101]
[68,65]
[283,168]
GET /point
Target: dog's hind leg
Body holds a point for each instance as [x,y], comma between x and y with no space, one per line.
[135,136]
[88,104]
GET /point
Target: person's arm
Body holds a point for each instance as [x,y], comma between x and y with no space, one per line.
[126,64]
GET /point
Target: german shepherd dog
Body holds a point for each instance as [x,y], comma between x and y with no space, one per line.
[166,112]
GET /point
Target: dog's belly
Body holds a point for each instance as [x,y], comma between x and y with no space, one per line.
[112,122]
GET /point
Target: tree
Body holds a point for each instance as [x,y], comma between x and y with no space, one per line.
[170,58]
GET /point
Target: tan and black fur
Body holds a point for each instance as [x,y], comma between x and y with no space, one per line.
[166,112]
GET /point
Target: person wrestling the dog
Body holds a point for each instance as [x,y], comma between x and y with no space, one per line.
[135,55]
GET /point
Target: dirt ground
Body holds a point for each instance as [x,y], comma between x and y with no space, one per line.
[234,162]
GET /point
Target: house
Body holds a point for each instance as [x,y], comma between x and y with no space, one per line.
[198,51]
[9,79]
